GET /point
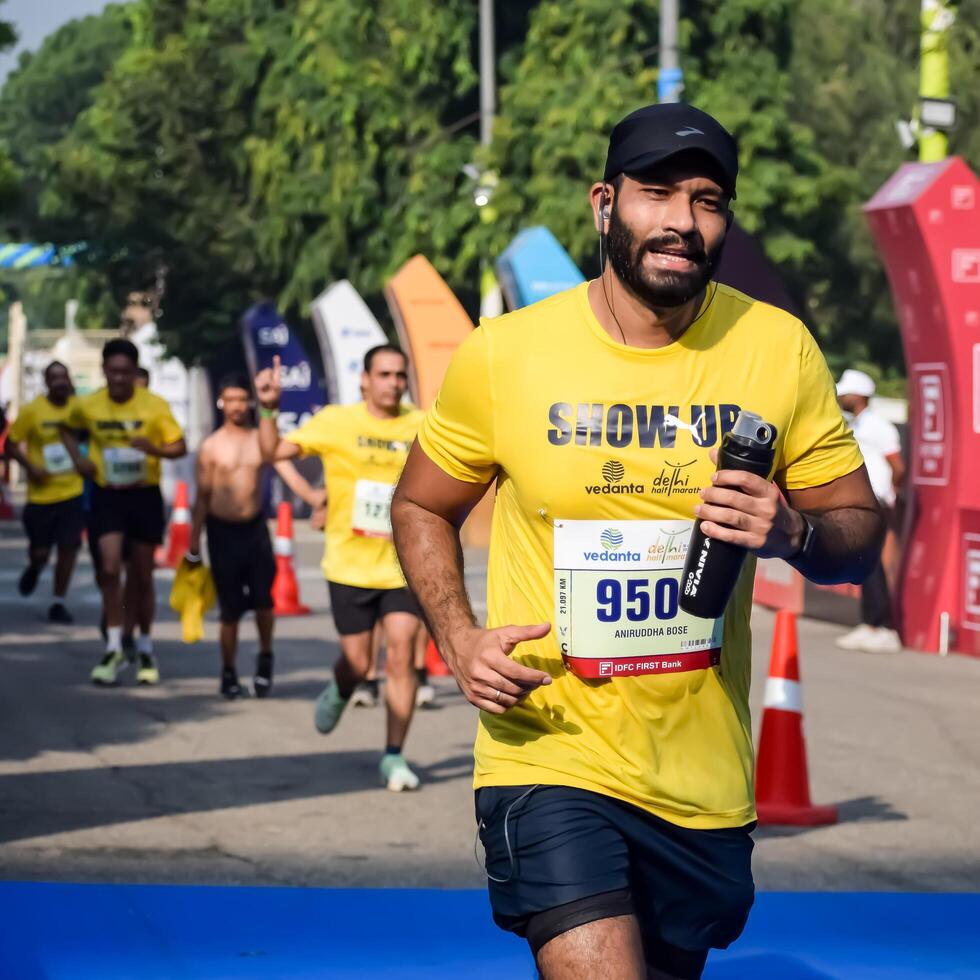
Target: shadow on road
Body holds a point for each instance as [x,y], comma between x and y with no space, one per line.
[864,809]
[42,803]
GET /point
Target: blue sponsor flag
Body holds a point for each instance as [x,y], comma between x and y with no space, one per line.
[533,267]
[265,334]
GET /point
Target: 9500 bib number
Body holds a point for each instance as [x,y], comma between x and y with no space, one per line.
[617,594]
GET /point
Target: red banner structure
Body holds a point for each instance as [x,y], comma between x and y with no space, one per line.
[926,222]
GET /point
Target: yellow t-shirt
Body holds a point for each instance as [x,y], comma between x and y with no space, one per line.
[363,457]
[37,425]
[112,425]
[575,427]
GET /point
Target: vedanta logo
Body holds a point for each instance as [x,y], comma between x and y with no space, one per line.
[613,471]
[611,539]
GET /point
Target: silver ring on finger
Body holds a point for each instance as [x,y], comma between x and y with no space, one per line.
[496,696]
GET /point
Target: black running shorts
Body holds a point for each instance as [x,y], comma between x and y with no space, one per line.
[242,565]
[356,610]
[58,524]
[134,512]
[578,856]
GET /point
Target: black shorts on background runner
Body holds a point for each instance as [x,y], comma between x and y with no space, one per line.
[356,610]
[134,512]
[58,524]
[580,856]
[242,565]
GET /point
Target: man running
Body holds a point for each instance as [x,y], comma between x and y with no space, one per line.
[229,504]
[614,752]
[130,430]
[363,449]
[53,515]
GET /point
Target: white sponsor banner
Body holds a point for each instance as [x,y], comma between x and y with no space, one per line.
[346,330]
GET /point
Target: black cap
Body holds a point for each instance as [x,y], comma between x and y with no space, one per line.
[654,133]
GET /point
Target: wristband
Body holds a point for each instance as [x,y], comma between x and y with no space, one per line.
[807,541]
[268,413]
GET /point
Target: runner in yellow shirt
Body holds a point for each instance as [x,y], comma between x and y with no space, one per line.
[614,765]
[363,448]
[53,515]
[130,431]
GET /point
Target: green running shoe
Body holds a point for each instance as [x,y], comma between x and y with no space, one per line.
[106,671]
[329,707]
[396,775]
[148,673]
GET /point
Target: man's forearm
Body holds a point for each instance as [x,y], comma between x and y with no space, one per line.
[268,437]
[14,452]
[71,444]
[173,450]
[846,546]
[432,559]
[200,512]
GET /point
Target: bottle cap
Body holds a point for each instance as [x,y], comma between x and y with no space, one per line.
[753,428]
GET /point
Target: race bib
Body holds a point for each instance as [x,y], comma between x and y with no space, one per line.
[372,509]
[56,458]
[124,466]
[617,589]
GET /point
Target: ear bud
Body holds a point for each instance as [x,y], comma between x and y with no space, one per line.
[221,403]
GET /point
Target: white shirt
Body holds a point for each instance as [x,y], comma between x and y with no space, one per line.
[877,438]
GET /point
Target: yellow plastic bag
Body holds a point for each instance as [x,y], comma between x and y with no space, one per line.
[192,595]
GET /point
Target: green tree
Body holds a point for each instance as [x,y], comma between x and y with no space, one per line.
[8,173]
[44,95]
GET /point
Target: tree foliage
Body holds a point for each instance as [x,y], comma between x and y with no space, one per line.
[267,147]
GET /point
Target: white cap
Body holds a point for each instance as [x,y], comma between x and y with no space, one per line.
[855,383]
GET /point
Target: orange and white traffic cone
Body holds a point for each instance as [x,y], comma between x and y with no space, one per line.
[285,588]
[435,666]
[179,535]
[782,785]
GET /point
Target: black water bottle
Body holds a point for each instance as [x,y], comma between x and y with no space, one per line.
[712,566]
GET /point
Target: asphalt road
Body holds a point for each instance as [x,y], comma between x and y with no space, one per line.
[173,784]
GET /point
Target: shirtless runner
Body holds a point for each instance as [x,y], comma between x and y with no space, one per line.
[229,505]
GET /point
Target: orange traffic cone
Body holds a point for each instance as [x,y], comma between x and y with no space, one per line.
[782,786]
[285,588]
[179,535]
[434,664]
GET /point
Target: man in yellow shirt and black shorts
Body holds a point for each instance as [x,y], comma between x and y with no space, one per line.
[54,515]
[130,430]
[614,764]
[363,448]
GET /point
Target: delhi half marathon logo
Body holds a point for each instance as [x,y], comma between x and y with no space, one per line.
[611,539]
[613,471]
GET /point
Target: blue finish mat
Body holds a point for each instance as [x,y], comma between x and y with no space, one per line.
[111,932]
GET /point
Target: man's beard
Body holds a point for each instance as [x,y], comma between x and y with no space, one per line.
[660,288]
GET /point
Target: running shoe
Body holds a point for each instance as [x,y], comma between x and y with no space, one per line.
[365,695]
[262,681]
[58,613]
[106,671]
[329,707]
[147,673]
[28,580]
[396,775]
[882,640]
[856,638]
[425,695]
[230,688]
